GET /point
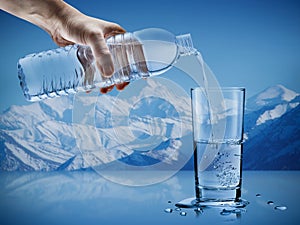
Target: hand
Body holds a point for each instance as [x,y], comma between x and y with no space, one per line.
[75,27]
[67,25]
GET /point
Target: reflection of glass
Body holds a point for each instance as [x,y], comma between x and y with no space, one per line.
[218,146]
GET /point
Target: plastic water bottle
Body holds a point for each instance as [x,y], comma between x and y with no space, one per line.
[71,69]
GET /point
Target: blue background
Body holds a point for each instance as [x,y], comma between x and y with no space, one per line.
[255,44]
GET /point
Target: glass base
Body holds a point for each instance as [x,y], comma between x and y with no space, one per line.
[195,203]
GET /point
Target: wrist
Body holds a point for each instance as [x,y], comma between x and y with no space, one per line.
[59,23]
[51,15]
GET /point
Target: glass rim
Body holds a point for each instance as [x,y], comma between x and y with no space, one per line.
[221,89]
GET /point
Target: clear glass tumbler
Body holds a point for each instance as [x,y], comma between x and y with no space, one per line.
[218,121]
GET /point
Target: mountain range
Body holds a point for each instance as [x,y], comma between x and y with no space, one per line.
[83,131]
[272,130]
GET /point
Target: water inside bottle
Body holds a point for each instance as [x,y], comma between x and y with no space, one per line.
[38,83]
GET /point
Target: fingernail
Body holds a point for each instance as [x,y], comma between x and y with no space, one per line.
[107,71]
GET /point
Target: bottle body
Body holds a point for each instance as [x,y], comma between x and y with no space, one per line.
[71,69]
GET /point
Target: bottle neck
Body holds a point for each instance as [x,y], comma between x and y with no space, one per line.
[185,45]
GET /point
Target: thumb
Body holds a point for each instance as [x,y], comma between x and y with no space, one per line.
[112,30]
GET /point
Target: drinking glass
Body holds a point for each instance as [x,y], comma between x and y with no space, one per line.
[218,122]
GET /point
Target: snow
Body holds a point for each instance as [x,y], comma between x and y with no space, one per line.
[41,136]
[276,92]
[277,112]
[273,95]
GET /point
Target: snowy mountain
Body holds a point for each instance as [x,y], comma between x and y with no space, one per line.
[272,130]
[83,131]
[270,104]
[37,136]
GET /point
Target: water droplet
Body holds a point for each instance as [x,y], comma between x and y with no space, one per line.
[183,213]
[270,203]
[178,209]
[258,195]
[168,210]
[169,202]
[280,207]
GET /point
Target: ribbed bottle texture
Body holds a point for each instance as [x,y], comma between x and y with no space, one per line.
[71,69]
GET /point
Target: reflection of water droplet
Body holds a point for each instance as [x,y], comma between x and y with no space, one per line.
[270,203]
[198,210]
[225,212]
[258,195]
[280,207]
[182,213]
[168,210]
[238,210]
[228,211]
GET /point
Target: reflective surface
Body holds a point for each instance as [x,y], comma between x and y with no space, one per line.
[86,198]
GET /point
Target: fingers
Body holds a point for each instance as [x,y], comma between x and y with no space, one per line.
[121,86]
[106,89]
[112,30]
[97,41]
[102,55]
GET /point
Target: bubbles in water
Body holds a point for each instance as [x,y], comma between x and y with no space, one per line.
[280,207]
[168,210]
[224,164]
[183,213]
[270,203]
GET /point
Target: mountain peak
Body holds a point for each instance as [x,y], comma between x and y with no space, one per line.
[278,91]
[270,96]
